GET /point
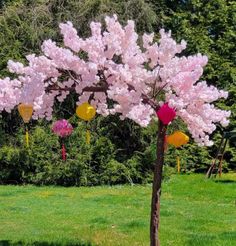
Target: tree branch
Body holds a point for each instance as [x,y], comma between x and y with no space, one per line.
[101,88]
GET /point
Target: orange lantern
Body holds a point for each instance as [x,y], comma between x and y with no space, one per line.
[177,139]
[26,111]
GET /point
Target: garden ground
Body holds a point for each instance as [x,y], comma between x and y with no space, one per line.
[194,211]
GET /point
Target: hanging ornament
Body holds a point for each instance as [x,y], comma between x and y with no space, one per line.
[177,139]
[63,129]
[86,112]
[166,114]
[26,111]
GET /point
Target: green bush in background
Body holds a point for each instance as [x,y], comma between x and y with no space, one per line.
[111,158]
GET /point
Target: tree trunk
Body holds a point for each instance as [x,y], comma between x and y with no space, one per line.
[156,187]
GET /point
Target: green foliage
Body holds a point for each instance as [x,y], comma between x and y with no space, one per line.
[9,157]
[25,24]
[115,173]
[86,165]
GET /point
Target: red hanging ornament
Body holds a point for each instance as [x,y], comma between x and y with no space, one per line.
[63,152]
[166,114]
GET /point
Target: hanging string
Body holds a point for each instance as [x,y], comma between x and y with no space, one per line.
[27,136]
[178,164]
[63,152]
[88,137]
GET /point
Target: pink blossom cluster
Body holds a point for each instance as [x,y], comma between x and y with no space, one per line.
[114,59]
[62,128]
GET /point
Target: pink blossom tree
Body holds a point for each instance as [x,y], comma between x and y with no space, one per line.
[114,63]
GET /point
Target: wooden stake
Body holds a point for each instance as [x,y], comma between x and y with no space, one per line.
[221,158]
[210,170]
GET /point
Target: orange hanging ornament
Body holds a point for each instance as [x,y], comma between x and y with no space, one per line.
[26,111]
[177,139]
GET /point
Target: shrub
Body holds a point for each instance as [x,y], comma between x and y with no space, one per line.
[115,173]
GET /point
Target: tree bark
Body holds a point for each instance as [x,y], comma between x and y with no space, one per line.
[156,187]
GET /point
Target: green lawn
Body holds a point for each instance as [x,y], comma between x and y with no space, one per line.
[194,211]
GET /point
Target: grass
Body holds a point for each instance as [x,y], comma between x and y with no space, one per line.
[194,211]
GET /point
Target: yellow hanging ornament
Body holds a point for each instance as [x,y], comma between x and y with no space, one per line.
[86,112]
[26,111]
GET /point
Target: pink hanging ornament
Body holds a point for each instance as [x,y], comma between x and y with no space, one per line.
[63,129]
[166,114]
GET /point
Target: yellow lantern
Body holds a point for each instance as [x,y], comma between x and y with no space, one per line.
[86,112]
[177,139]
[26,111]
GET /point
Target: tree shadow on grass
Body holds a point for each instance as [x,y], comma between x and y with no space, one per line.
[226,181]
[21,243]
